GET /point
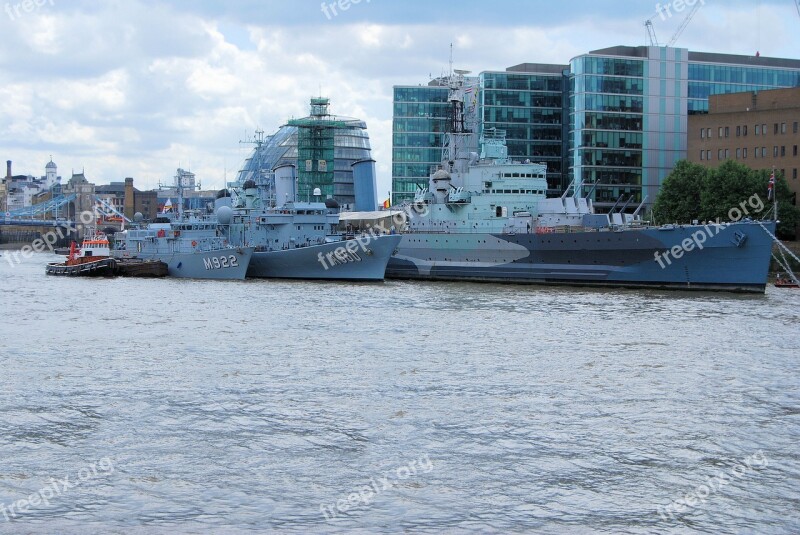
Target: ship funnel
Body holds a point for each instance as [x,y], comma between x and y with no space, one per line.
[284,184]
[250,192]
[440,185]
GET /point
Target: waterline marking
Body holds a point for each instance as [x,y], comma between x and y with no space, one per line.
[365,494]
[56,488]
[756,461]
[700,237]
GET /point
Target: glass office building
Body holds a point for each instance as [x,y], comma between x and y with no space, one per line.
[627,121]
[420,119]
[528,101]
[630,107]
[615,118]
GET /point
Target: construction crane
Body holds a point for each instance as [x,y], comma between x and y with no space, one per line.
[797,5]
[651,32]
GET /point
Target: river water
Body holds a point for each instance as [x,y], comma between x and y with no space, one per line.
[178,406]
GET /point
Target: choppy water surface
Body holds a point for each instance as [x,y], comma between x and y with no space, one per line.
[177,406]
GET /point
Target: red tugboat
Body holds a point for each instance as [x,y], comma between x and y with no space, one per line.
[92,259]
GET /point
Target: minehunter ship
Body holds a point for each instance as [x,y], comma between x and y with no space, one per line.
[485,217]
[192,246]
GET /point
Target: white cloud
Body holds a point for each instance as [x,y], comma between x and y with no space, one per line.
[137,88]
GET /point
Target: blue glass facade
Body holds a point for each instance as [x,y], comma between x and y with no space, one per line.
[530,107]
[615,118]
[706,79]
[418,126]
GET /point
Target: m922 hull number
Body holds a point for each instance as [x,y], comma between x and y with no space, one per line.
[221,262]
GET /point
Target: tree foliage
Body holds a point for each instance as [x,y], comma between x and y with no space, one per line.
[693,192]
[679,198]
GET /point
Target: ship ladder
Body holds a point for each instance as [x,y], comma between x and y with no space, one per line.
[782,261]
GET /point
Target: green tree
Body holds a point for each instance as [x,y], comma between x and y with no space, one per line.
[679,198]
[692,192]
[727,187]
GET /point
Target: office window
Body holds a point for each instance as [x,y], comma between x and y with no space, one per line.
[738,131]
[794,127]
[794,173]
[744,153]
[702,133]
[727,131]
[727,153]
[720,132]
[783,151]
[794,151]
[775,130]
[763,152]
[702,155]
[755,153]
[744,130]
[763,129]
[738,153]
[758,129]
[708,133]
[774,151]
[708,155]
[719,154]
[783,128]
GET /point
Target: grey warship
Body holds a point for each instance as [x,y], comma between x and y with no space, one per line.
[299,240]
[284,203]
[192,245]
[485,217]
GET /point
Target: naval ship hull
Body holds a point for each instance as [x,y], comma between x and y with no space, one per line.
[217,264]
[353,262]
[733,258]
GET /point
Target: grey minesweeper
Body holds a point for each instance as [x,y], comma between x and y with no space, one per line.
[190,245]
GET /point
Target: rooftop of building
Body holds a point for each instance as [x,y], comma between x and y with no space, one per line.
[538,68]
[113,187]
[704,57]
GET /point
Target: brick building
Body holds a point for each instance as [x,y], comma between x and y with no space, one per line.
[760,129]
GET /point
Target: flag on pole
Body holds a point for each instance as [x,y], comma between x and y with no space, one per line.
[168,206]
[771,186]
[387,204]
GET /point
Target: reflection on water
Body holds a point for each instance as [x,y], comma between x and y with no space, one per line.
[251,405]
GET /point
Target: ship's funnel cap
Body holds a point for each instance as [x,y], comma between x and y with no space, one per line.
[441,174]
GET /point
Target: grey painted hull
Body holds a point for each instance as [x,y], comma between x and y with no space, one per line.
[218,264]
[353,262]
[733,258]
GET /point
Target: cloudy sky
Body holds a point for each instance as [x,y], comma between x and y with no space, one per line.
[139,87]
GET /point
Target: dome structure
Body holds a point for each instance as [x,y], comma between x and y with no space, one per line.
[350,145]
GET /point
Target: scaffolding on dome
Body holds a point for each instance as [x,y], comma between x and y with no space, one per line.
[315,150]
